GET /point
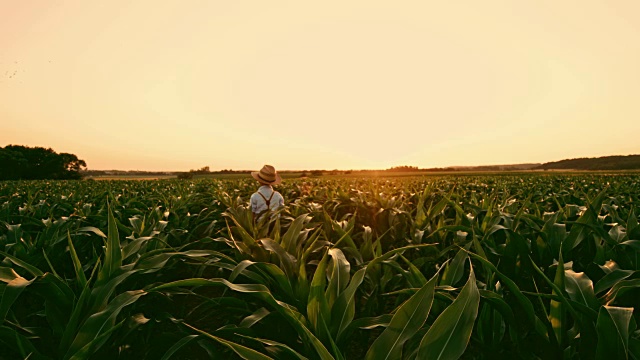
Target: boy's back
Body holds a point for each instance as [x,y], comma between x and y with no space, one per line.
[265,198]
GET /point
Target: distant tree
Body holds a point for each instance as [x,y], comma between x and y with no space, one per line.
[12,164]
[404,168]
[185,175]
[71,166]
[35,163]
[617,162]
[202,170]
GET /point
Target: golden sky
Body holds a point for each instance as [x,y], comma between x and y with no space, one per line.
[177,85]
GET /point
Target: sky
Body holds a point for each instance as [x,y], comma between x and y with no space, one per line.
[178,85]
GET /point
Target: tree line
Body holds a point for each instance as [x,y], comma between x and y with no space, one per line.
[618,162]
[37,163]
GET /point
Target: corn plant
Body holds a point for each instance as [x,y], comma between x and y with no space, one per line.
[523,266]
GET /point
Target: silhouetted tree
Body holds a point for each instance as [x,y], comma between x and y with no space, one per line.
[618,162]
[35,163]
[404,168]
[185,175]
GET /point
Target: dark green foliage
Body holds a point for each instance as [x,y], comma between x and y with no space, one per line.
[36,163]
[185,175]
[512,266]
[629,162]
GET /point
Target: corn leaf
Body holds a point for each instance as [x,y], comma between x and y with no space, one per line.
[613,332]
[407,320]
[449,335]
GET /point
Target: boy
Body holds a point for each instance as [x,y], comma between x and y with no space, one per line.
[266,198]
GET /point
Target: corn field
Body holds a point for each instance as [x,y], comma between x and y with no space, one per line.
[472,267]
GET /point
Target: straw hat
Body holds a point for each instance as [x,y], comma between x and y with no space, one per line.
[267,175]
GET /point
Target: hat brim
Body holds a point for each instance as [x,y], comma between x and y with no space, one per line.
[277,181]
